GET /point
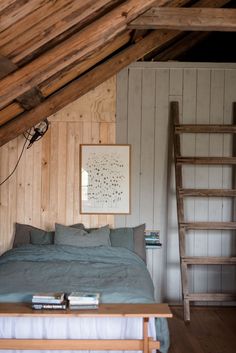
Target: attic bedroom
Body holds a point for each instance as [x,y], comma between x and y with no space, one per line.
[143,88]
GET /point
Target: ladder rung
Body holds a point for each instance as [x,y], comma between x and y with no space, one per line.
[207,192]
[208,260]
[205,128]
[210,296]
[208,225]
[206,160]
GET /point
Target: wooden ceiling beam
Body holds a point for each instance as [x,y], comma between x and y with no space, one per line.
[11,111]
[179,35]
[64,15]
[70,73]
[187,19]
[13,11]
[82,85]
[79,46]
[63,77]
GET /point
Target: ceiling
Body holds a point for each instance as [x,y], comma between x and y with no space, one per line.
[54,51]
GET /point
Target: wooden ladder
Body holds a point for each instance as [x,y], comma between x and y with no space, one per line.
[181,193]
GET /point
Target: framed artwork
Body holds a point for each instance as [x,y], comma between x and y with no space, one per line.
[105,179]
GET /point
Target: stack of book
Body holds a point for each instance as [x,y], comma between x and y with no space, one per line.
[42,301]
[152,239]
[83,300]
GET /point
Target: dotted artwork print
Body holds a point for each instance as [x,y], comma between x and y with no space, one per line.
[106,181]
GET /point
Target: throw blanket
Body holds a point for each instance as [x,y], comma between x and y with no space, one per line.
[118,274]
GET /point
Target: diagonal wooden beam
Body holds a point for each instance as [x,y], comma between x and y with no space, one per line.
[79,46]
[179,34]
[48,87]
[187,19]
[53,21]
[82,85]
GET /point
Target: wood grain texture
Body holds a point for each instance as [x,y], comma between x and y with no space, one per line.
[82,85]
[45,187]
[187,19]
[79,46]
[205,93]
[210,330]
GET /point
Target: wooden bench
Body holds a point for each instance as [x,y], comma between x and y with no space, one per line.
[145,311]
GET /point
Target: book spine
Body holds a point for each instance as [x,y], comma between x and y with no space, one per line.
[83,302]
[48,306]
[83,307]
[46,301]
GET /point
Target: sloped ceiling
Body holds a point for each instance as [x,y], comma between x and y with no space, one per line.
[54,51]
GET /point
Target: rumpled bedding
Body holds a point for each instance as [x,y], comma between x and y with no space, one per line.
[118,274]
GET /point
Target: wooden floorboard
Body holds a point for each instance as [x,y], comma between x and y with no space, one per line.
[211,330]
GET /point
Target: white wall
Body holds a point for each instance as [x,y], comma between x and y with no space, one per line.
[205,93]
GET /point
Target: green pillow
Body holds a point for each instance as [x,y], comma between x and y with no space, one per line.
[132,238]
[79,237]
[122,237]
[41,237]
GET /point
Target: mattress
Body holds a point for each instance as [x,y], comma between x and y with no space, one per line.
[118,274]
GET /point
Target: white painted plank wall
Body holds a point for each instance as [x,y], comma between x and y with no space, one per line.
[205,93]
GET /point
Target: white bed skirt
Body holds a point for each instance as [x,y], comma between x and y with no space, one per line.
[73,328]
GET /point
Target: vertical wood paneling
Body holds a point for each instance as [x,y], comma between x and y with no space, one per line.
[62,171]
[122,120]
[201,212]
[228,240]
[215,177]
[173,281]
[188,148]
[205,93]
[12,188]
[147,164]
[45,187]
[134,133]
[20,205]
[36,207]
[160,181]
[4,194]
[54,162]
[45,181]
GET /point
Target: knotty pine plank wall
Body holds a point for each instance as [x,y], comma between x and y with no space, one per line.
[205,93]
[45,187]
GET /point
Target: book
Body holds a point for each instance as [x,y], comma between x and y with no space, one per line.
[77,298]
[42,306]
[48,298]
[83,307]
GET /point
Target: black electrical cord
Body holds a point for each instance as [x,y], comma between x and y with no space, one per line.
[18,161]
[31,138]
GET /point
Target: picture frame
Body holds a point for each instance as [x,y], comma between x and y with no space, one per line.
[105,179]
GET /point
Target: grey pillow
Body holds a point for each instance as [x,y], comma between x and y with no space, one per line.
[122,237]
[79,237]
[132,238]
[139,241]
[41,237]
[22,234]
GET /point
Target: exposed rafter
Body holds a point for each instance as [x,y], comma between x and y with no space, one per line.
[82,85]
[60,46]
[79,46]
[187,19]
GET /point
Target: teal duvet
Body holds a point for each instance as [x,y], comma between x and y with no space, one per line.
[117,273]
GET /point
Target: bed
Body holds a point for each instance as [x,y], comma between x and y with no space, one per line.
[117,273]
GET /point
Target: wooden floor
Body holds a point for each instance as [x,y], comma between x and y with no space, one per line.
[211,330]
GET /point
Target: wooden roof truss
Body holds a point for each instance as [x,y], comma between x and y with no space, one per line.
[53,52]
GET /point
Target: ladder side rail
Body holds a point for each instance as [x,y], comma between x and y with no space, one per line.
[174,110]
